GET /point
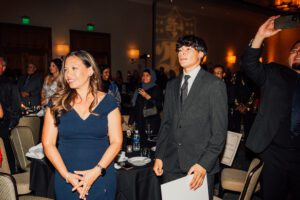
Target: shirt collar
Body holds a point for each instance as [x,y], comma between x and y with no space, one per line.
[194,72]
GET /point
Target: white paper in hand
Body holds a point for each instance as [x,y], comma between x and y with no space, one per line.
[180,189]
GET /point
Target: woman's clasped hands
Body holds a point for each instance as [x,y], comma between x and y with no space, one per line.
[85,182]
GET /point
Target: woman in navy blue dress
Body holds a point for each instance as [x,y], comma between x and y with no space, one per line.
[82,132]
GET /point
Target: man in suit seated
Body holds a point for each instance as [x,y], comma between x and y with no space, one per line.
[193,131]
[30,86]
[276,129]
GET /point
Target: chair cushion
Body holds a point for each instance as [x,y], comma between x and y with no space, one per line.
[233,179]
[22,181]
[216,198]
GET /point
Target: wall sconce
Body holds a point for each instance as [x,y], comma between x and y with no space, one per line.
[62,49]
[231,59]
[133,54]
[204,60]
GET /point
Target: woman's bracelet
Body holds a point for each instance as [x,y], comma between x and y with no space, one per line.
[67,176]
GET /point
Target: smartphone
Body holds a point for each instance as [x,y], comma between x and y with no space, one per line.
[288,21]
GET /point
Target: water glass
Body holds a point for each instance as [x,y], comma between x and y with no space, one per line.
[129,148]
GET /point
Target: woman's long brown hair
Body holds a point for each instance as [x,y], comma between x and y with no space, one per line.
[64,97]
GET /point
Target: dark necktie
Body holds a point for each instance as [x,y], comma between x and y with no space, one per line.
[295,117]
[184,88]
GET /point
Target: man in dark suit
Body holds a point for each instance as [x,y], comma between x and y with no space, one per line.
[194,126]
[10,102]
[276,129]
[30,86]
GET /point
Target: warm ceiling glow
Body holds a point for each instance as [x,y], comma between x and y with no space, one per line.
[62,49]
[204,60]
[287,5]
[230,58]
[133,53]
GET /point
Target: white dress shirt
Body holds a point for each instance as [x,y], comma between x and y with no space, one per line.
[193,75]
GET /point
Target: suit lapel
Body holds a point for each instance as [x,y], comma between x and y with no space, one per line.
[177,92]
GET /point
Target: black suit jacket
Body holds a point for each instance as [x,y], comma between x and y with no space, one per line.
[34,87]
[276,83]
[196,132]
[10,101]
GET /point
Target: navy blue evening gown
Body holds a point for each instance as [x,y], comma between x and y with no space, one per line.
[81,143]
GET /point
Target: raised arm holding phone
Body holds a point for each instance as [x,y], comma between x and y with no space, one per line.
[274,136]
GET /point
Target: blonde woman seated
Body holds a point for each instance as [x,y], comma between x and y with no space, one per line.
[82,132]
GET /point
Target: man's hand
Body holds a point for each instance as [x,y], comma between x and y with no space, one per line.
[158,167]
[199,175]
[266,30]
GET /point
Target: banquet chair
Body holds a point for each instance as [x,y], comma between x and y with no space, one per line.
[22,179]
[8,189]
[34,124]
[22,139]
[241,181]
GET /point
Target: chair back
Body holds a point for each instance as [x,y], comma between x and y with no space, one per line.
[34,124]
[8,190]
[251,179]
[22,140]
[5,166]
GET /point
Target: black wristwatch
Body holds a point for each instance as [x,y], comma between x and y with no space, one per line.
[102,170]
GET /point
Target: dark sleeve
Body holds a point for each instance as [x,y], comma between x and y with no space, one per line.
[15,110]
[133,113]
[36,90]
[156,99]
[218,119]
[165,125]
[20,83]
[254,69]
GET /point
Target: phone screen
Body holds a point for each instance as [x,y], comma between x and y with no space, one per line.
[288,21]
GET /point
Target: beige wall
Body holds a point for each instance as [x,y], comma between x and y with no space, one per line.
[129,23]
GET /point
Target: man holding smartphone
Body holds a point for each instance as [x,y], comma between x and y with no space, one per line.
[275,132]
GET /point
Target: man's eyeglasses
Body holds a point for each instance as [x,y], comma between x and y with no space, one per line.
[295,51]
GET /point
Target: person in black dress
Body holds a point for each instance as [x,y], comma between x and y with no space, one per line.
[147,96]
